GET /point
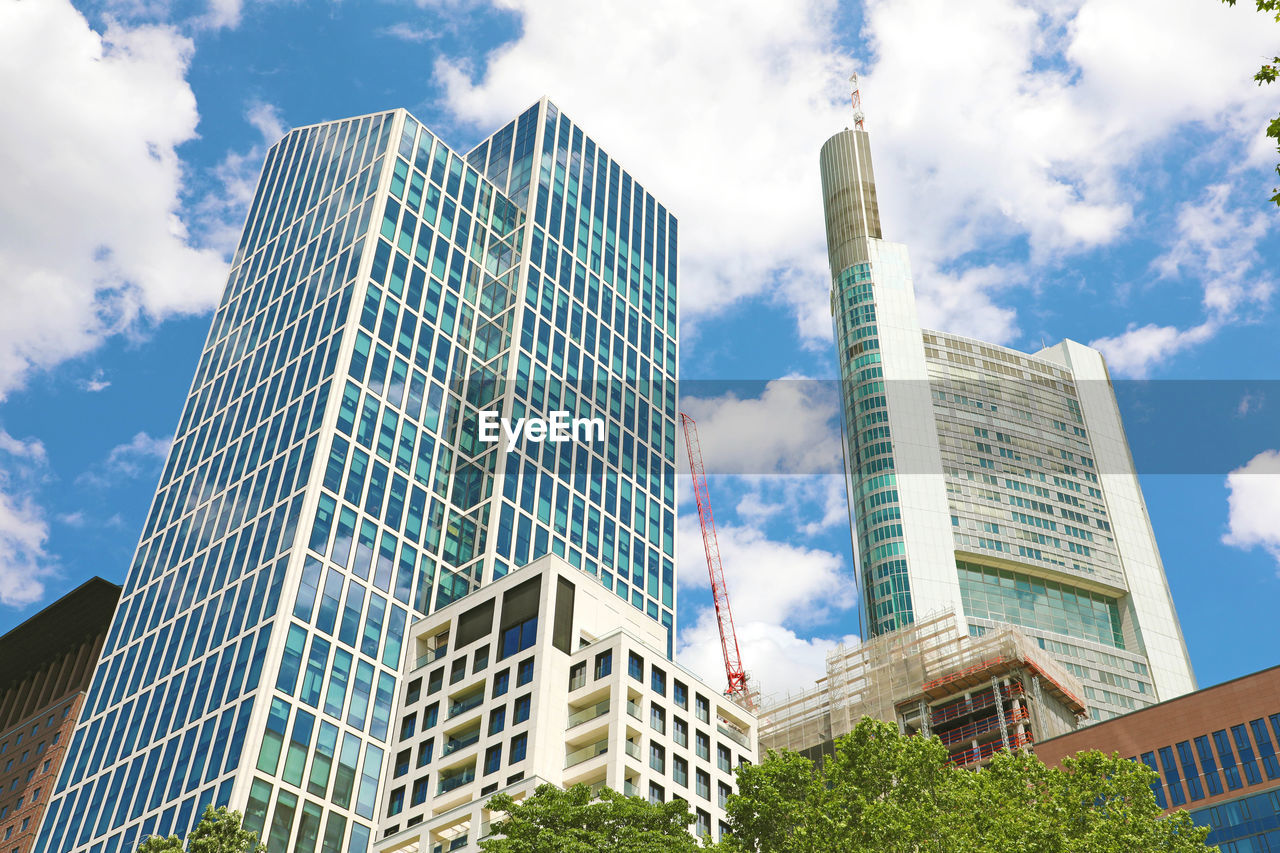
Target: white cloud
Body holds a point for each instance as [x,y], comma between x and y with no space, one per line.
[792,427]
[220,214]
[997,124]
[137,457]
[1138,349]
[91,237]
[407,32]
[23,528]
[777,590]
[1253,504]
[718,108]
[95,383]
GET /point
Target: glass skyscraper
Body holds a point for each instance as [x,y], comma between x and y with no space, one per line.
[986,481]
[329,480]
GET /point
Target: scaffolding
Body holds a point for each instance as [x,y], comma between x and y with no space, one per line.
[978,694]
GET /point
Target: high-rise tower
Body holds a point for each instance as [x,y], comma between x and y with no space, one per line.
[990,482]
[340,467]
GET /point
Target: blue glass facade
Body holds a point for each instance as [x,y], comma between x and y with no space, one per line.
[328,480]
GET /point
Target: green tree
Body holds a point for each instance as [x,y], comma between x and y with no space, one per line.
[219,831]
[1268,74]
[885,792]
[553,820]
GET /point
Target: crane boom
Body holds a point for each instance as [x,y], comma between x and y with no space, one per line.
[737,676]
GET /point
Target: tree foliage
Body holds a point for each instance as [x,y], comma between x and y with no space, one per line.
[219,831]
[1268,74]
[888,793]
[553,820]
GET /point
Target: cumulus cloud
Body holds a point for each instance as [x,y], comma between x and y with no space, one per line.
[1253,504]
[718,108]
[784,426]
[1138,349]
[92,239]
[220,213]
[778,590]
[24,531]
[1024,145]
[141,455]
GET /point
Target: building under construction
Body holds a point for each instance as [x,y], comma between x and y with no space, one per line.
[977,694]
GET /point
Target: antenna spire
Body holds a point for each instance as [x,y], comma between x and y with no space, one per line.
[856,98]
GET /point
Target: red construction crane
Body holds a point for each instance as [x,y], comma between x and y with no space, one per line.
[719,592]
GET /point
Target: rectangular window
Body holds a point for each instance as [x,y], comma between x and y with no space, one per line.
[702,745]
[723,791]
[680,693]
[657,719]
[680,731]
[577,675]
[657,758]
[1149,759]
[521,711]
[1247,760]
[680,771]
[655,793]
[702,708]
[524,672]
[519,744]
[702,783]
[658,681]
[635,666]
[604,663]
[1172,780]
[1265,749]
[501,681]
[1194,788]
[497,720]
[492,759]
[421,789]
[724,760]
[1209,766]
[1228,759]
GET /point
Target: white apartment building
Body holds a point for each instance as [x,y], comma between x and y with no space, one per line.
[543,676]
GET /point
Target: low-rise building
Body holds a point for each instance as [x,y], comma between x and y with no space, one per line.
[45,667]
[1215,751]
[543,676]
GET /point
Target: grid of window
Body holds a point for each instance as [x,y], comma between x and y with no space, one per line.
[195,615]
[1006,596]
[1205,760]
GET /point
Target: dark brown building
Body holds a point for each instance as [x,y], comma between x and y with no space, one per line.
[1215,750]
[45,667]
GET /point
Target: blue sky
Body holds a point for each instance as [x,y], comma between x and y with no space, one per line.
[1091,169]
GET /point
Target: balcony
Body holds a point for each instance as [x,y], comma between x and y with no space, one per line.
[588,714]
[633,708]
[460,741]
[457,779]
[629,789]
[466,702]
[734,734]
[432,656]
[586,753]
[633,749]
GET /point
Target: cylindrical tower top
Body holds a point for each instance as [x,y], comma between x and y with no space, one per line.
[848,198]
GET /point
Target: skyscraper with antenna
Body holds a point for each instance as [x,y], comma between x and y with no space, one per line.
[990,482]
